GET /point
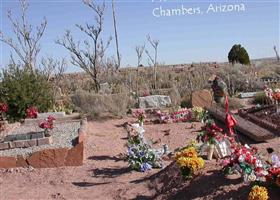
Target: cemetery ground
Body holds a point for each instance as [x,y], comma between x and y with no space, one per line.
[105,174]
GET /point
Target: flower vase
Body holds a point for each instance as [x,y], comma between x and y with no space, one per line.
[141,123]
[210,151]
[47,132]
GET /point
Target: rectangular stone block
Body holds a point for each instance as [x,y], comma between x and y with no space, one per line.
[9,138]
[44,141]
[22,137]
[54,114]
[19,144]
[247,95]
[7,162]
[4,145]
[37,135]
[30,143]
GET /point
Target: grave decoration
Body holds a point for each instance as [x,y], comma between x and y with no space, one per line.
[182,115]
[32,112]
[247,162]
[258,193]
[273,176]
[189,161]
[141,156]
[276,97]
[47,124]
[219,88]
[213,138]
[140,115]
[273,96]
[199,114]
[230,120]
[3,111]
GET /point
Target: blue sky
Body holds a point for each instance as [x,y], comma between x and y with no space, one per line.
[183,39]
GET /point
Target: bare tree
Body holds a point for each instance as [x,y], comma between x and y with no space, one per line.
[139,51]
[116,35]
[54,71]
[153,59]
[90,57]
[26,43]
[53,68]
[276,52]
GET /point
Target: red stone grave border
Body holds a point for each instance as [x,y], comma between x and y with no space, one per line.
[49,158]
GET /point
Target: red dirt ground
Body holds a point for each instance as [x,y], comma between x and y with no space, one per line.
[105,175]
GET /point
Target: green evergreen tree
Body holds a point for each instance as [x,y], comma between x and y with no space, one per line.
[238,54]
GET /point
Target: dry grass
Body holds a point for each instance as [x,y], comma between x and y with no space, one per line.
[101,105]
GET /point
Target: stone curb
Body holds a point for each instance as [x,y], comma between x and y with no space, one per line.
[25,143]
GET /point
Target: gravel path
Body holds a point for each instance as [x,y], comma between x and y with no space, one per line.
[63,134]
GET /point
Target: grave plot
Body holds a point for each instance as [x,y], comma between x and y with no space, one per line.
[248,128]
[266,117]
[28,145]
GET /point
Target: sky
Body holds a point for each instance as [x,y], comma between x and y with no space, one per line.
[200,37]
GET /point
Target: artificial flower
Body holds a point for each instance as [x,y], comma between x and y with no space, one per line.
[258,193]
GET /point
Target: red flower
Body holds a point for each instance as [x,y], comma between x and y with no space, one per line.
[274,171]
[215,127]
[3,108]
[32,112]
[48,123]
[50,118]
[44,125]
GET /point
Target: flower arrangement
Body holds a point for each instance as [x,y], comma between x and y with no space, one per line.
[199,114]
[140,155]
[32,112]
[47,124]
[276,95]
[3,110]
[245,161]
[258,193]
[140,115]
[273,176]
[182,115]
[188,161]
[211,133]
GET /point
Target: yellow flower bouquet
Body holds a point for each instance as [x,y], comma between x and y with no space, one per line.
[258,193]
[188,161]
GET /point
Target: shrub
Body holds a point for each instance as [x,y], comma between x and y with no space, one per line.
[260,98]
[101,105]
[234,103]
[21,89]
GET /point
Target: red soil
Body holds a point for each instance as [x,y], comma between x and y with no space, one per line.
[105,175]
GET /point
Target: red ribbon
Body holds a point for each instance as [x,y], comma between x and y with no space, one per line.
[230,121]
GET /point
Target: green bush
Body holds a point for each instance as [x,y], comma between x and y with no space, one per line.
[260,98]
[21,89]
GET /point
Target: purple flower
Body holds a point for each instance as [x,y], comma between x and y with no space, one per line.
[141,154]
[145,167]
[130,152]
